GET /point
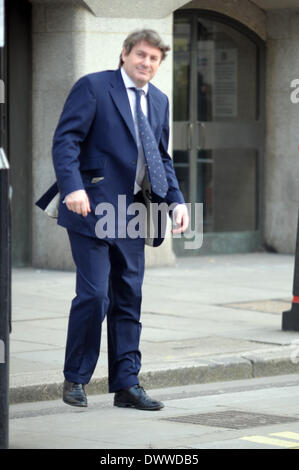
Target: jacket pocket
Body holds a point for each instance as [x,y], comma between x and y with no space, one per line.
[97,179]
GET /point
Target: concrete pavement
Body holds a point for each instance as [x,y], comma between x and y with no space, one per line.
[207,319]
[223,415]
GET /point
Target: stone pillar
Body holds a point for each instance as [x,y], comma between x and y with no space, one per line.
[69,41]
[282,123]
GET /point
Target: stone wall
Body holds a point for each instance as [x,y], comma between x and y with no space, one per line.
[282,136]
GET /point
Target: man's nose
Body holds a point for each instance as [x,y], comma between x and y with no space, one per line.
[146,61]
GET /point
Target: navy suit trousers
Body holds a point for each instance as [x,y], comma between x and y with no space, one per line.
[108,283]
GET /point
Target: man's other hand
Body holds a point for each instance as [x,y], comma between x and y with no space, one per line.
[78,202]
[180,218]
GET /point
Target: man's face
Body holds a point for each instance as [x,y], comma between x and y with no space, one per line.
[142,63]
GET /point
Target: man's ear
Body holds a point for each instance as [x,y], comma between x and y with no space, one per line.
[123,53]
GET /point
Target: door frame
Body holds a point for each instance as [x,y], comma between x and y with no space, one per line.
[243,241]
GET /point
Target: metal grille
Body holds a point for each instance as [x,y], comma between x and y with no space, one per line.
[232,419]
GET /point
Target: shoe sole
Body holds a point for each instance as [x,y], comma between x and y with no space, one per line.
[79,405]
[130,405]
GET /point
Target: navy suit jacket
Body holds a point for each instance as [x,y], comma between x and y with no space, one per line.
[95,137]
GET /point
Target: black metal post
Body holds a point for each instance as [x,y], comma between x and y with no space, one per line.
[290,318]
[5,251]
[5,298]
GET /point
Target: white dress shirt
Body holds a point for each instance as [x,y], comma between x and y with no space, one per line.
[140,170]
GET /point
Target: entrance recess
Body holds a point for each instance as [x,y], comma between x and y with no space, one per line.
[218,128]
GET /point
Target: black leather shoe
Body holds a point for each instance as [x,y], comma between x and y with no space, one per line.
[136,397]
[74,394]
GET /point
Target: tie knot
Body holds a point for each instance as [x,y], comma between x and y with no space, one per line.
[139,92]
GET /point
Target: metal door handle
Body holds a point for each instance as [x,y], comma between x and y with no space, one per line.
[203,140]
[190,136]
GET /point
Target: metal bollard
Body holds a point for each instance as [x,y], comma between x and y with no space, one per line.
[5,297]
[290,318]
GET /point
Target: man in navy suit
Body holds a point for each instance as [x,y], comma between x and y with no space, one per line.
[99,154]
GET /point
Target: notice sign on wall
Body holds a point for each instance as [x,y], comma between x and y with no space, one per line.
[1,23]
[225,83]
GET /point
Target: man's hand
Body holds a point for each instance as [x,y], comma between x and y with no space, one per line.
[78,202]
[180,218]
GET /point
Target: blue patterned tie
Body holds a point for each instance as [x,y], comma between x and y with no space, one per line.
[156,171]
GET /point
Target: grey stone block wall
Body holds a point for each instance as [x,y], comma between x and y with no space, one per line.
[57,50]
[282,131]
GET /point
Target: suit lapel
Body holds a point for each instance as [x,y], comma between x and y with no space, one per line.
[120,97]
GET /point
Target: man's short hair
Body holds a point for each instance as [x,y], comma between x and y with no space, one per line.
[148,35]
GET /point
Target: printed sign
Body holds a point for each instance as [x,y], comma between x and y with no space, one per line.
[225,87]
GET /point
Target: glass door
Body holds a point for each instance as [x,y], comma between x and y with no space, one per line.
[218,129]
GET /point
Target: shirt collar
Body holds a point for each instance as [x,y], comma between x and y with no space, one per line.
[129,82]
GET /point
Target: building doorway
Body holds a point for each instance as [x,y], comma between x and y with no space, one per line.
[218,128]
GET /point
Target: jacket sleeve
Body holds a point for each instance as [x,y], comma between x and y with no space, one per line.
[73,126]
[174,194]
